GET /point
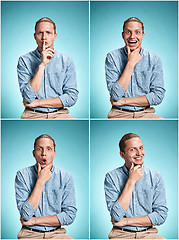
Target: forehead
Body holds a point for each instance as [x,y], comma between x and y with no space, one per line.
[44,142]
[133,142]
[133,25]
[44,26]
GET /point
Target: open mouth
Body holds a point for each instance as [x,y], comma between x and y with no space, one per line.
[44,161]
[132,42]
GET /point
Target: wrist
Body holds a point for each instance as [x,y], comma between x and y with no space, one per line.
[40,183]
[131,182]
[42,66]
[131,65]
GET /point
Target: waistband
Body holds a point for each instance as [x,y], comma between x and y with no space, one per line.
[33,110]
[35,230]
[127,230]
[127,110]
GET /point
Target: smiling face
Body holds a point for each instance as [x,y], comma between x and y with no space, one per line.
[45,32]
[133,35]
[44,152]
[134,152]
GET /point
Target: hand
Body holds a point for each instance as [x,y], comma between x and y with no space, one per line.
[44,174]
[135,173]
[32,104]
[28,223]
[134,57]
[121,223]
[46,54]
[120,102]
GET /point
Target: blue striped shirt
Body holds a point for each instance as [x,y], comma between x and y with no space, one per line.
[148,196]
[58,196]
[146,79]
[59,79]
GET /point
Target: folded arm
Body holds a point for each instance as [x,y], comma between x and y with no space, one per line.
[43,221]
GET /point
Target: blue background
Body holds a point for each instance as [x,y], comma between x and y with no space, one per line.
[72,147]
[17,28]
[160,141]
[161,36]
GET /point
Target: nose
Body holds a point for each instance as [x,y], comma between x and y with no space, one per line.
[43,152]
[132,34]
[44,36]
[139,152]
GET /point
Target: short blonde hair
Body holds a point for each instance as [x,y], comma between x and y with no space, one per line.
[133,19]
[45,19]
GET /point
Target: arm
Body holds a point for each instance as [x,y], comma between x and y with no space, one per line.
[142,221]
[47,102]
[43,221]
[29,84]
[118,82]
[43,176]
[118,202]
[132,101]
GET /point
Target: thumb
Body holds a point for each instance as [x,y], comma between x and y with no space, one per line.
[128,50]
[132,166]
[39,167]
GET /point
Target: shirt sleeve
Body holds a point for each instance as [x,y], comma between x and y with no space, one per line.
[24,78]
[70,92]
[112,76]
[157,90]
[22,194]
[159,206]
[112,194]
[68,206]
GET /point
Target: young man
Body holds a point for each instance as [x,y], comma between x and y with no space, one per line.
[134,76]
[47,77]
[45,195]
[135,194]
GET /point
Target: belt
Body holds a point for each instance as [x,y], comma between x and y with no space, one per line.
[33,110]
[127,230]
[127,110]
[35,230]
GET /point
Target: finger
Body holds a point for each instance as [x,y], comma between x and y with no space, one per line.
[50,55]
[51,50]
[49,166]
[128,50]
[39,167]
[43,45]
[136,167]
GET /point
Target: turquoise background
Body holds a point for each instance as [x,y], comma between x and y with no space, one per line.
[18,20]
[72,147]
[160,20]
[160,141]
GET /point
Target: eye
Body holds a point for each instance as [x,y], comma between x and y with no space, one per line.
[49,149]
[38,149]
[141,148]
[132,149]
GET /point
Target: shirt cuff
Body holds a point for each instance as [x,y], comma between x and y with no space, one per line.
[27,211]
[117,211]
[29,94]
[117,92]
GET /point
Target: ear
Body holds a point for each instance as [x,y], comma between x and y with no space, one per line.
[143,34]
[123,35]
[34,36]
[54,153]
[122,155]
[55,36]
[33,152]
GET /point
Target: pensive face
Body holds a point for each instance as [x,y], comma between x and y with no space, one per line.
[133,35]
[134,152]
[44,152]
[45,33]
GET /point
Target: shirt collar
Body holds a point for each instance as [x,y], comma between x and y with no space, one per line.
[36,168]
[125,51]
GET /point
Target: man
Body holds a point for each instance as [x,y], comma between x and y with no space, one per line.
[134,76]
[47,77]
[45,195]
[135,194]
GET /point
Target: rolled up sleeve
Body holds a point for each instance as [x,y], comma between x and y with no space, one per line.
[112,76]
[22,194]
[24,78]
[70,92]
[159,206]
[157,90]
[68,206]
[112,194]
